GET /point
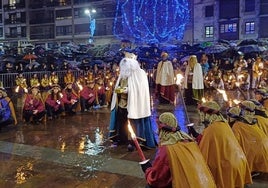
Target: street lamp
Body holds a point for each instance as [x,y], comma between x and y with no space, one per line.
[92,24]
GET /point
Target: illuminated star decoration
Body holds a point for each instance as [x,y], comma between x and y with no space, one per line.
[151,21]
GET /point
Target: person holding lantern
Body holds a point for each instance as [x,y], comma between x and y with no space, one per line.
[88,96]
[21,84]
[131,100]
[7,111]
[70,99]
[53,78]
[34,106]
[53,103]
[101,93]
[220,148]
[178,162]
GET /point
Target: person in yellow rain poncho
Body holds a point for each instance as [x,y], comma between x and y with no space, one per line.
[222,152]
[262,96]
[252,139]
[178,162]
[261,116]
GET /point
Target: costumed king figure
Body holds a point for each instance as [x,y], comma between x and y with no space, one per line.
[131,100]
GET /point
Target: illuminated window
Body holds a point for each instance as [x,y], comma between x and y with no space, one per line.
[250,27]
[228,28]
[209,31]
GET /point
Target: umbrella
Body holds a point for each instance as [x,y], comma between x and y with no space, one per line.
[186,58]
[248,42]
[251,49]
[29,57]
[215,49]
[9,59]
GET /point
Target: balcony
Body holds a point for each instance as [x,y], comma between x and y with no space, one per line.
[14,35]
[11,7]
[15,21]
[41,21]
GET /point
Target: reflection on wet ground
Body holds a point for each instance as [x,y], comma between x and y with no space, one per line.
[74,152]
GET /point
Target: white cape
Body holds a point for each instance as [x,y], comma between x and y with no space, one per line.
[138,104]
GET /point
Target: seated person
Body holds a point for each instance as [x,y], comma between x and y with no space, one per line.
[34,106]
[178,162]
[7,112]
[87,96]
[53,102]
[70,99]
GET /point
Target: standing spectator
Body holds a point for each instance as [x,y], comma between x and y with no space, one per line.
[53,79]
[34,81]
[69,77]
[165,84]
[204,64]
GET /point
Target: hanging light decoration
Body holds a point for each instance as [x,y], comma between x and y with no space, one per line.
[151,21]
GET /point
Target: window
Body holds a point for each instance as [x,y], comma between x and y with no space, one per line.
[209,31]
[63,14]
[209,11]
[228,28]
[249,5]
[1,32]
[250,27]
[64,30]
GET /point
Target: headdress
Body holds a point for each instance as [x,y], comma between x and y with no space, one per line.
[210,107]
[3,91]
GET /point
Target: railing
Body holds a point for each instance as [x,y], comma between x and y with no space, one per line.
[8,79]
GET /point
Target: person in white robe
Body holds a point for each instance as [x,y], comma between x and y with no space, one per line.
[131,101]
[194,82]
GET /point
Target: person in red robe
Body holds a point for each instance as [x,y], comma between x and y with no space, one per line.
[70,99]
[34,106]
[88,96]
[165,84]
[178,162]
[54,103]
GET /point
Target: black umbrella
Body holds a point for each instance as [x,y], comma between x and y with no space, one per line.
[215,49]
[251,49]
[10,59]
[248,42]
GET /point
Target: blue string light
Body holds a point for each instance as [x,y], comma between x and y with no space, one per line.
[151,21]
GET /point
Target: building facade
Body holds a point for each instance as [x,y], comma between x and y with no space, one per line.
[49,21]
[46,22]
[231,20]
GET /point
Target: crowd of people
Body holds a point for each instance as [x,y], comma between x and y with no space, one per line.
[224,154]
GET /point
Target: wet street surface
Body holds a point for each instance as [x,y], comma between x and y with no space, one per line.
[73,151]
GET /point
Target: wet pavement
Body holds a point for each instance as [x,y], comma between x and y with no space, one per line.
[73,151]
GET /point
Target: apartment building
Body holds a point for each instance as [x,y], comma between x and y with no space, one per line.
[46,22]
[229,20]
